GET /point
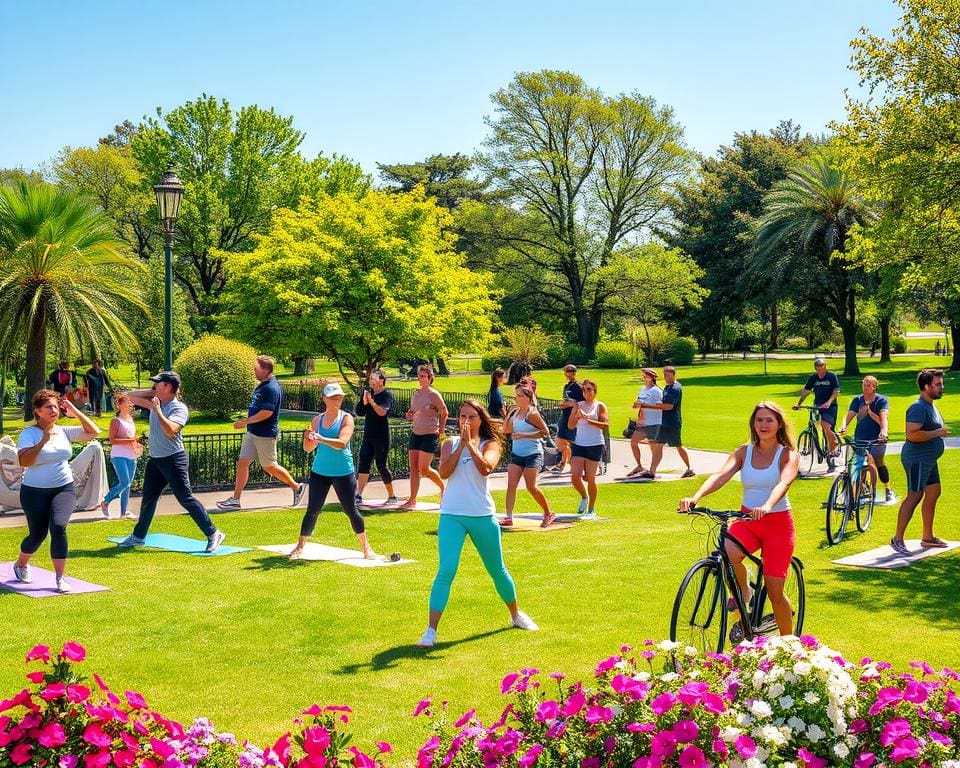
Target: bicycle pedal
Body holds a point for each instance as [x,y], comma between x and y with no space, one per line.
[767,625]
[736,634]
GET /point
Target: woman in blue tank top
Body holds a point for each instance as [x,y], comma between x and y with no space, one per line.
[525,426]
[330,434]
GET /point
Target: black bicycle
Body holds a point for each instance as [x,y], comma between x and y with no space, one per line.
[811,443]
[852,492]
[702,610]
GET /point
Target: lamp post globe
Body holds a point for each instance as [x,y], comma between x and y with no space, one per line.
[169,192]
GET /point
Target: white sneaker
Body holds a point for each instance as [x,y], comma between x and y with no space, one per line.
[429,638]
[214,540]
[522,621]
[298,494]
[582,506]
[63,586]
[229,503]
[589,515]
[22,573]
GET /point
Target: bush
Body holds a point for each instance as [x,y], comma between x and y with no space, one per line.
[559,353]
[661,337]
[794,344]
[613,354]
[682,351]
[493,360]
[898,345]
[527,344]
[217,375]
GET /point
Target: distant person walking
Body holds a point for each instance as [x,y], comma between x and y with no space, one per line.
[48,493]
[571,395]
[375,405]
[263,431]
[589,417]
[923,447]
[428,416]
[525,427]
[648,418]
[97,382]
[825,387]
[871,410]
[169,464]
[495,397]
[125,449]
[671,425]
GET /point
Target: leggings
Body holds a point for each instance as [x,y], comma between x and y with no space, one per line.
[375,448]
[485,535]
[47,509]
[346,489]
[125,469]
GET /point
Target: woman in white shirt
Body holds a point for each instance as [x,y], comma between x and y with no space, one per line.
[125,449]
[648,418]
[589,417]
[47,494]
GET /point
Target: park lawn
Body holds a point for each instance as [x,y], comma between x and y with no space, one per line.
[251,639]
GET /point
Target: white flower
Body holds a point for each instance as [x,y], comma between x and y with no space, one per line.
[729,734]
[693,673]
[642,676]
[744,718]
[797,724]
[690,651]
[789,765]
[759,678]
[815,733]
[785,702]
[841,750]
[669,676]
[668,645]
[802,668]
[811,698]
[772,735]
[760,708]
[776,690]
[753,762]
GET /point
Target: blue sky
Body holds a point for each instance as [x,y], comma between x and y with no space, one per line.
[396,82]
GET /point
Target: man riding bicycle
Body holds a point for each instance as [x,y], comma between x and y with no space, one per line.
[871,410]
[825,387]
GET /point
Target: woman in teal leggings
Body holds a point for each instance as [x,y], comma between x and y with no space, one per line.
[467,510]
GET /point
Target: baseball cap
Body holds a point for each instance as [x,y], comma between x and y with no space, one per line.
[819,360]
[168,377]
[570,367]
[331,390]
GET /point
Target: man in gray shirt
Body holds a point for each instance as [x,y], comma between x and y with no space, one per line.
[169,464]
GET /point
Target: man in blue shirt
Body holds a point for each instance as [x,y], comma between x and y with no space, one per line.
[670,424]
[871,410]
[825,387]
[260,440]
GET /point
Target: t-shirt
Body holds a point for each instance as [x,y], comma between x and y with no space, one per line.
[572,391]
[375,425]
[672,394]
[926,414]
[495,403]
[822,388]
[96,378]
[60,380]
[266,397]
[867,427]
[52,467]
[651,396]
[160,444]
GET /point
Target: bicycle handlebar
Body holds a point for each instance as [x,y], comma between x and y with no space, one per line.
[719,514]
[862,443]
[807,408]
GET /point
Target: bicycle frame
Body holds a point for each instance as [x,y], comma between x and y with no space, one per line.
[816,430]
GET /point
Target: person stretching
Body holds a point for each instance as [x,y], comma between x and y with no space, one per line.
[428,416]
[525,426]
[467,509]
[125,449]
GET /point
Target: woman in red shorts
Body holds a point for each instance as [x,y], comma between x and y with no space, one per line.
[767,466]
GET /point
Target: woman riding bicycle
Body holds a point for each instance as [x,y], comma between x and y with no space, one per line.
[768,465]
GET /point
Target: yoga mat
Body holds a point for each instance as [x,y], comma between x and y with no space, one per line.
[532,523]
[421,506]
[885,557]
[44,583]
[182,544]
[380,504]
[315,551]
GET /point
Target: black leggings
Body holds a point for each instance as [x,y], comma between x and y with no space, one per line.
[47,509]
[378,449]
[346,489]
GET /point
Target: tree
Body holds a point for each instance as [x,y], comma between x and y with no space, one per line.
[63,276]
[583,175]
[358,280]
[803,236]
[445,177]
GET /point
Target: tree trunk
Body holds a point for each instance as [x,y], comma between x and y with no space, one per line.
[850,365]
[442,369]
[774,326]
[955,338]
[302,365]
[884,339]
[36,363]
[3,390]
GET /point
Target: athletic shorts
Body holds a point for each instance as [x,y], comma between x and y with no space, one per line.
[534,460]
[425,443]
[647,432]
[878,451]
[921,473]
[263,449]
[669,436]
[588,452]
[774,534]
[829,416]
[563,431]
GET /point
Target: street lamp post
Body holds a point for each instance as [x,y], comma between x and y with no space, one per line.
[169,192]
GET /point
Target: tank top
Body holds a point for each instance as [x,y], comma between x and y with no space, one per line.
[525,446]
[466,492]
[587,434]
[125,428]
[329,461]
[426,421]
[757,483]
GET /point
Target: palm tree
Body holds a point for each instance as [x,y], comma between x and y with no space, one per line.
[802,236]
[64,276]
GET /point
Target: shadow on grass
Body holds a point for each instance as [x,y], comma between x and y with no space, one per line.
[389,657]
[279,562]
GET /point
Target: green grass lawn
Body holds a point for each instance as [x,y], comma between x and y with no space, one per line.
[251,639]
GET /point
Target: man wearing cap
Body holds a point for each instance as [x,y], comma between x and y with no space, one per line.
[169,464]
[648,419]
[260,439]
[572,394]
[670,425]
[826,389]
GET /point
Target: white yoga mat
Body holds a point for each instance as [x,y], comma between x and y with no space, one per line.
[314,551]
[885,557]
[531,523]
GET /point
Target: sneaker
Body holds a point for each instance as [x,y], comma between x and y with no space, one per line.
[392,500]
[132,541]
[22,572]
[358,499]
[105,511]
[582,507]
[898,546]
[127,516]
[63,586]
[298,494]
[229,503]
[522,621]
[889,496]
[689,473]
[429,638]
[589,515]
[214,540]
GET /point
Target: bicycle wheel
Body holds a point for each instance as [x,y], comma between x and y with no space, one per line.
[838,509]
[699,611]
[865,501]
[795,591]
[807,451]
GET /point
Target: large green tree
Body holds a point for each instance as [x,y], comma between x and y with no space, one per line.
[359,280]
[583,175]
[445,177]
[64,276]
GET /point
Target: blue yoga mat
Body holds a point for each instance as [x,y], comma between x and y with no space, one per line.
[182,544]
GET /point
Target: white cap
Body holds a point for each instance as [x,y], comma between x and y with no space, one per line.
[332,389]
[818,360]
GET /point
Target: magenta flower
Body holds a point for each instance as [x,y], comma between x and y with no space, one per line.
[894,730]
[529,757]
[809,759]
[692,693]
[20,754]
[281,748]
[630,689]
[37,676]
[574,704]
[77,693]
[99,681]
[590,762]
[915,693]
[692,757]
[422,706]
[720,748]
[337,708]
[384,747]
[95,735]
[507,683]
[885,697]
[315,710]
[745,746]
[315,740]
[465,718]
[361,760]
[906,748]
[940,738]
[663,744]
[39,652]
[713,702]
[663,703]
[73,652]
[597,714]
[606,665]
[685,731]
[68,761]
[640,727]
[556,729]
[52,735]
[648,762]
[865,760]
[951,705]
[425,755]
[548,710]
[53,691]
[609,744]
[125,758]
[99,759]
[858,726]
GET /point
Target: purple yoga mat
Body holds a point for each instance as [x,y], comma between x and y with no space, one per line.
[44,583]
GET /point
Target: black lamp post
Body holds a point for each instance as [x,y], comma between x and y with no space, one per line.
[169,192]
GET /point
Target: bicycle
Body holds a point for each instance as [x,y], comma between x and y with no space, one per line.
[852,492]
[812,443]
[700,609]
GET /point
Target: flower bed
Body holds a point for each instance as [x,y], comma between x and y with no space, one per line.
[789,703]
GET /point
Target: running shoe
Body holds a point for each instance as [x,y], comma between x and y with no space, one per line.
[229,503]
[298,493]
[214,540]
[429,638]
[132,541]
[63,586]
[22,572]
[522,621]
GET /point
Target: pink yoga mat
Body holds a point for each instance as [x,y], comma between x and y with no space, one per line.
[44,583]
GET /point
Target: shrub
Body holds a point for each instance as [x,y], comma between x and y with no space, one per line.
[682,351]
[493,360]
[898,345]
[217,375]
[559,353]
[794,344]
[656,349]
[613,354]
[527,344]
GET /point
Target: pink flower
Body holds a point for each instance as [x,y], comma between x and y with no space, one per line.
[73,652]
[135,700]
[865,760]
[712,702]
[720,748]
[39,652]
[590,762]
[597,714]
[99,759]
[99,681]
[361,760]
[52,735]
[691,693]
[952,703]
[745,746]
[53,691]
[425,755]
[337,708]
[606,665]
[556,730]
[68,761]
[124,758]
[529,757]
[384,747]
[77,693]
[37,676]
[640,727]
[422,706]
[894,730]
[507,683]
[548,710]
[915,693]
[663,744]
[574,704]
[663,703]
[885,697]
[905,749]
[809,759]
[314,710]
[648,762]
[95,735]
[940,738]
[281,749]
[685,731]
[630,689]
[859,726]
[609,744]
[692,757]
[465,718]
[316,740]
[20,754]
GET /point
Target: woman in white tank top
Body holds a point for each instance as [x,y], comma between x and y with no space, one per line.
[589,417]
[767,466]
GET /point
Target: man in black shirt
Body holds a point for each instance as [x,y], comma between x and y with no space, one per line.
[97,381]
[374,405]
[825,387]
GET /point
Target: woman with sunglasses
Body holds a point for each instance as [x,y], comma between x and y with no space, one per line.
[589,417]
[525,426]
